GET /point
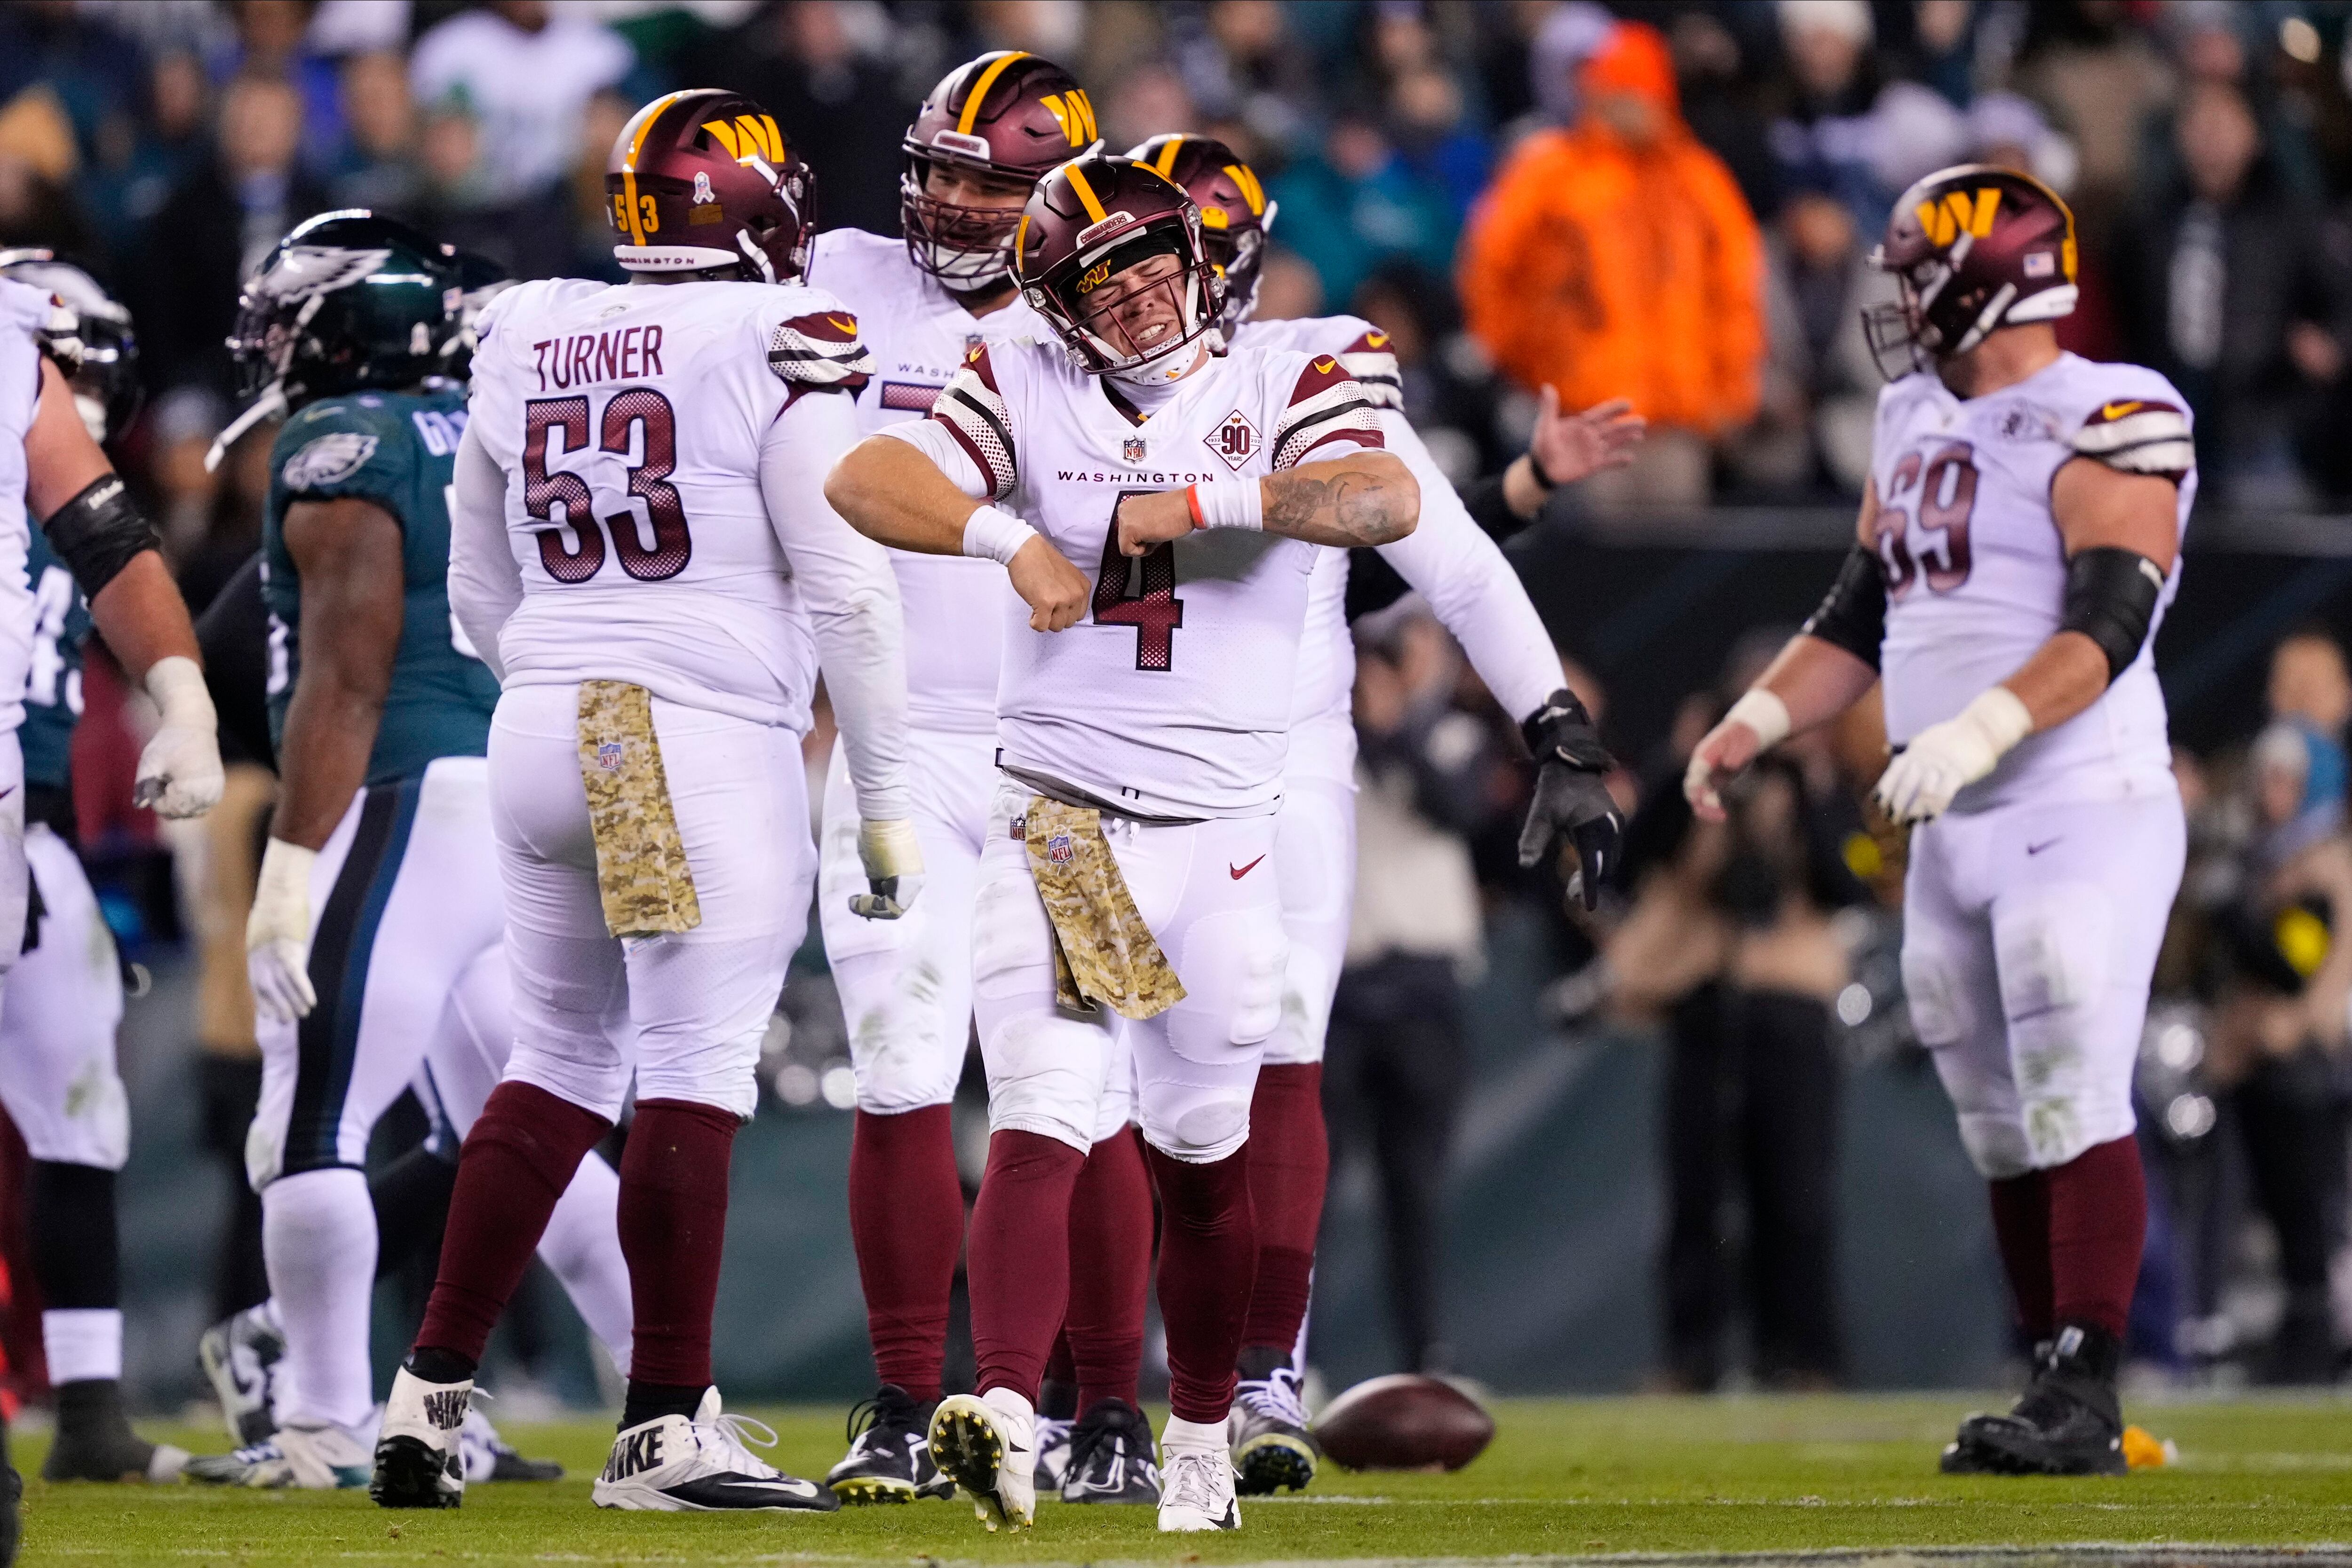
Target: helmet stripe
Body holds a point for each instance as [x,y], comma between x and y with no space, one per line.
[629,165]
[1166,161]
[978,94]
[1086,192]
[1252,192]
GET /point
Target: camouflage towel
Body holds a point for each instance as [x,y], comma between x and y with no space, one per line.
[641,870]
[1103,952]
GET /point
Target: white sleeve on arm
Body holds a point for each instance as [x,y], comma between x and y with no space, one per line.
[485,583]
[938,442]
[851,594]
[1473,591]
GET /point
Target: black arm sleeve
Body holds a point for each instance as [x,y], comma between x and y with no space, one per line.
[234,634]
[1853,614]
[98,532]
[1489,510]
[2111,594]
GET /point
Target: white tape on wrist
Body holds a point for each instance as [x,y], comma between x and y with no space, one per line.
[1999,719]
[178,687]
[990,534]
[1764,712]
[1237,503]
[281,893]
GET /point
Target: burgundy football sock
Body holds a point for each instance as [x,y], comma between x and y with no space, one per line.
[906,1219]
[1110,1271]
[1058,1392]
[517,1161]
[1018,1264]
[1289,1161]
[673,1223]
[2098,1222]
[1208,1256]
[2021,1223]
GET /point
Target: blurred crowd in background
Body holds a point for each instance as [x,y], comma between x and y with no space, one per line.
[1668,202]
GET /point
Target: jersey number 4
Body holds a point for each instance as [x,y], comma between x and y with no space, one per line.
[1139,592]
[565,420]
[1946,484]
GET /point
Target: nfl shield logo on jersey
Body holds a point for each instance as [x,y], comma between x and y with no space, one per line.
[1060,851]
[608,756]
[1234,440]
[1132,449]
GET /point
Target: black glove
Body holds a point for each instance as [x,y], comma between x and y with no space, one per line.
[1569,796]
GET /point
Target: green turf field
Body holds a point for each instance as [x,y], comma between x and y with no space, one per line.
[1564,1477]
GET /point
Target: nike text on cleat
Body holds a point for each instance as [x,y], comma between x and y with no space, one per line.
[1111,1457]
[674,1465]
[1272,1449]
[484,1456]
[418,1457]
[240,1356]
[890,1457]
[989,1444]
[1197,1492]
[305,1455]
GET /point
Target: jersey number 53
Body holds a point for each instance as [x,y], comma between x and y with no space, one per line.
[564,421]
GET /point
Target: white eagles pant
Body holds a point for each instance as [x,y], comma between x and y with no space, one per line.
[57,1077]
[403,898]
[1207,890]
[2030,934]
[1315,865]
[906,984]
[697,1001]
[15,877]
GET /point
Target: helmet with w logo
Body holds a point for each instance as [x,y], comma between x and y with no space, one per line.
[704,180]
[1975,248]
[1235,214]
[1006,117]
[1087,257]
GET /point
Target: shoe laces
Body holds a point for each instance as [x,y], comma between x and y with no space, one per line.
[1275,1397]
[733,1432]
[1192,1481]
[884,1412]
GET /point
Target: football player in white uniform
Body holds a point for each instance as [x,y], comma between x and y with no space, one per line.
[2020,539]
[976,148]
[644,556]
[1479,597]
[1142,753]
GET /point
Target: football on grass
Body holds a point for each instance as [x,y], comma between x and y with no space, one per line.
[1405,1421]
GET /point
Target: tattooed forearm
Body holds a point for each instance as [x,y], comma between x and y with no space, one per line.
[1367,499]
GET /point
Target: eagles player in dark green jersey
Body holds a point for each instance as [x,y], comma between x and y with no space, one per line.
[57,1075]
[378,893]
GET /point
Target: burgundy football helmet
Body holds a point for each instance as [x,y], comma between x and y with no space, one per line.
[1008,116]
[703,180]
[1088,225]
[1974,249]
[1235,213]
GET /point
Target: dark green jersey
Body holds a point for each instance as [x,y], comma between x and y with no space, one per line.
[53,683]
[398,450]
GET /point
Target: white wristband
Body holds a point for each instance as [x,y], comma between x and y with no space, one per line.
[1764,712]
[178,687]
[1237,503]
[993,535]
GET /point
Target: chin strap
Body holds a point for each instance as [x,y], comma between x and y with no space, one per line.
[272,402]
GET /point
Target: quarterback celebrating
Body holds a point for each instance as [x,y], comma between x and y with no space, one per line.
[1144,716]
[645,560]
[2019,540]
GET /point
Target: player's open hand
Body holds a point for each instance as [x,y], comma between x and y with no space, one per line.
[1055,591]
[1572,446]
[1728,747]
[278,933]
[1147,522]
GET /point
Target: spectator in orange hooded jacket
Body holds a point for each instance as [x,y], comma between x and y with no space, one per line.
[1617,258]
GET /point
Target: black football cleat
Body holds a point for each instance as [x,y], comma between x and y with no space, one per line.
[890,1457]
[2069,1422]
[1112,1457]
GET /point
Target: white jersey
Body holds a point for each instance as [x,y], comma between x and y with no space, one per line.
[1447,559]
[1173,698]
[23,312]
[919,335]
[1976,571]
[648,408]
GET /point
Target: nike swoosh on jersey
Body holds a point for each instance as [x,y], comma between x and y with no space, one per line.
[2118,409]
[1237,873]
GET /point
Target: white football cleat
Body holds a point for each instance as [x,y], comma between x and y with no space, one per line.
[1053,1438]
[672,1465]
[240,1356]
[1196,1479]
[307,1456]
[417,1464]
[990,1446]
